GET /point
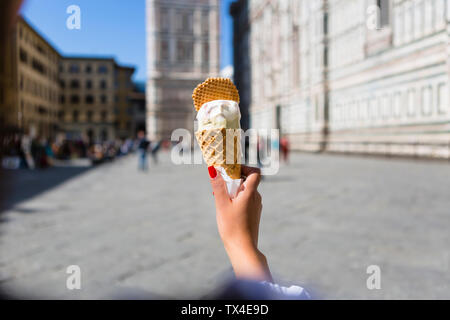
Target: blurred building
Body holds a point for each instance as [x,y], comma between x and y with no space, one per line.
[29,88]
[124,90]
[335,75]
[138,109]
[239,10]
[95,98]
[182,51]
[43,93]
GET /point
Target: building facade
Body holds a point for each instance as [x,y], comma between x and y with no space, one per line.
[138,110]
[239,10]
[43,93]
[123,98]
[362,76]
[29,87]
[182,51]
[95,98]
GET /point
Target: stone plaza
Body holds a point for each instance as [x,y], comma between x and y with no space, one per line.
[326,219]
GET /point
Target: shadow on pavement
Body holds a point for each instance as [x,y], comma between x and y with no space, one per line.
[19,185]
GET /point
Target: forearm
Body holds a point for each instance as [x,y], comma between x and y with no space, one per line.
[248,263]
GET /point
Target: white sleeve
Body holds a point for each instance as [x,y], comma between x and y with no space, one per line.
[283,293]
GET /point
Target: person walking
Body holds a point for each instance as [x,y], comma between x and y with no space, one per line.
[155,150]
[284,146]
[143,144]
[26,149]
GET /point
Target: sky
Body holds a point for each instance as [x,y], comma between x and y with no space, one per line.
[112,28]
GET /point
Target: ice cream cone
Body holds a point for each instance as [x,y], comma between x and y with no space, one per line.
[219,142]
[214,89]
[217,145]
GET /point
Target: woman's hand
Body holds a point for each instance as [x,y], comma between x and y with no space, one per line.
[238,224]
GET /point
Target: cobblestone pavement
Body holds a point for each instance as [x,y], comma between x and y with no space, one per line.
[326,218]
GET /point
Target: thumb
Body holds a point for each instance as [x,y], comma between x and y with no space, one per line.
[219,187]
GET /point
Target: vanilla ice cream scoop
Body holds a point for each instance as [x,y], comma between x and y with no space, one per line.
[219,114]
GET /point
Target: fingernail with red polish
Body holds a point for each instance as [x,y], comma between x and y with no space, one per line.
[212,172]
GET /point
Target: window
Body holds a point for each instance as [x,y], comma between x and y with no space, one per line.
[180,50]
[184,21]
[74,84]
[89,99]
[38,66]
[74,68]
[23,55]
[62,84]
[89,116]
[103,84]
[103,99]
[427,102]
[40,49]
[88,84]
[384,18]
[205,52]
[42,110]
[61,115]
[205,22]
[164,20]
[102,69]
[185,50]
[443,98]
[88,68]
[75,115]
[74,99]
[104,135]
[164,50]
[62,99]
[104,115]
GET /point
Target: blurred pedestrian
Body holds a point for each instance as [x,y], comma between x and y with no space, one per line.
[155,150]
[26,149]
[284,147]
[143,144]
[49,153]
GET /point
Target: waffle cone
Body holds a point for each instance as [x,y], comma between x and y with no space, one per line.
[216,143]
[214,89]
